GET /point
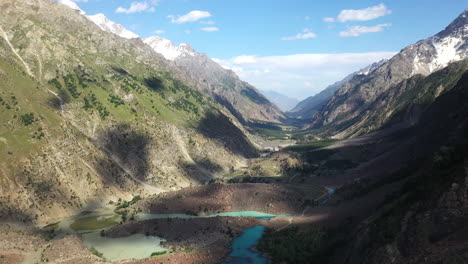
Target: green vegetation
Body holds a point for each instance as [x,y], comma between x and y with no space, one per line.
[126,204]
[253,96]
[96,253]
[158,253]
[93,223]
[27,119]
[310,146]
[91,102]
[271,134]
[116,100]
[292,246]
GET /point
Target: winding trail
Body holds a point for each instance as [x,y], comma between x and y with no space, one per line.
[5,36]
[290,220]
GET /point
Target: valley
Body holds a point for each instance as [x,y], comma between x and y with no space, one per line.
[116,148]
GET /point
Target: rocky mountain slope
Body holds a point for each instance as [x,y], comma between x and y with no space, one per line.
[425,221]
[350,108]
[87,116]
[311,105]
[242,99]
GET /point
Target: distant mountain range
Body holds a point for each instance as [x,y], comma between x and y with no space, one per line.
[285,103]
[311,105]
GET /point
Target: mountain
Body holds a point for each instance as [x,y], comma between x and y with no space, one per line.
[73,6]
[242,99]
[284,102]
[166,48]
[102,21]
[347,112]
[109,26]
[87,116]
[311,105]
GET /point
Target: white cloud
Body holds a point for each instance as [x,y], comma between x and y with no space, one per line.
[310,85]
[137,7]
[191,16]
[209,22]
[210,29]
[328,19]
[355,31]
[244,59]
[306,35]
[159,31]
[365,14]
[299,75]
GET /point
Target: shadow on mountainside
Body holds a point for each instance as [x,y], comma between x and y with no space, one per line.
[203,170]
[127,153]
[218,127]
[57,101]
[224,102]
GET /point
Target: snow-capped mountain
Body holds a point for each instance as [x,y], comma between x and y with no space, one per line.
[72,5]
[243,100]
[354,103]
[438,51]
[166,48]
[102,21]
[107,25]
[369,69]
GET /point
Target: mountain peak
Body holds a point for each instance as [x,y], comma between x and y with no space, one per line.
[107,25]
[166,48]
[370,68]
[72,5]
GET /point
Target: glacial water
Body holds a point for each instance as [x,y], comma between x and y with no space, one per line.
[242,247]
[136,246]
[139,246]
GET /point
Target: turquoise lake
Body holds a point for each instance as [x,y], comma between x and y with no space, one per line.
[242,252]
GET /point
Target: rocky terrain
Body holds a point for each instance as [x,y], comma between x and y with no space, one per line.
[307,108]
[351,110]
[107,114]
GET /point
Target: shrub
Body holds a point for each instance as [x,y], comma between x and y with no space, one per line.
[158,253]
[27,119]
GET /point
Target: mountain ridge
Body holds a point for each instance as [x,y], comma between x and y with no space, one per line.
[346,109]
[311,105]
[243,100]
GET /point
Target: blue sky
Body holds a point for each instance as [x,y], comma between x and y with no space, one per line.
[292,47]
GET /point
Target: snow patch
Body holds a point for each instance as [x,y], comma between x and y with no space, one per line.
[107,25]
[166,48]
[447,51]
[72,5]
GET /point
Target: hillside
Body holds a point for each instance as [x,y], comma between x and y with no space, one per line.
[243,100]
[313,104]
[82,107]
